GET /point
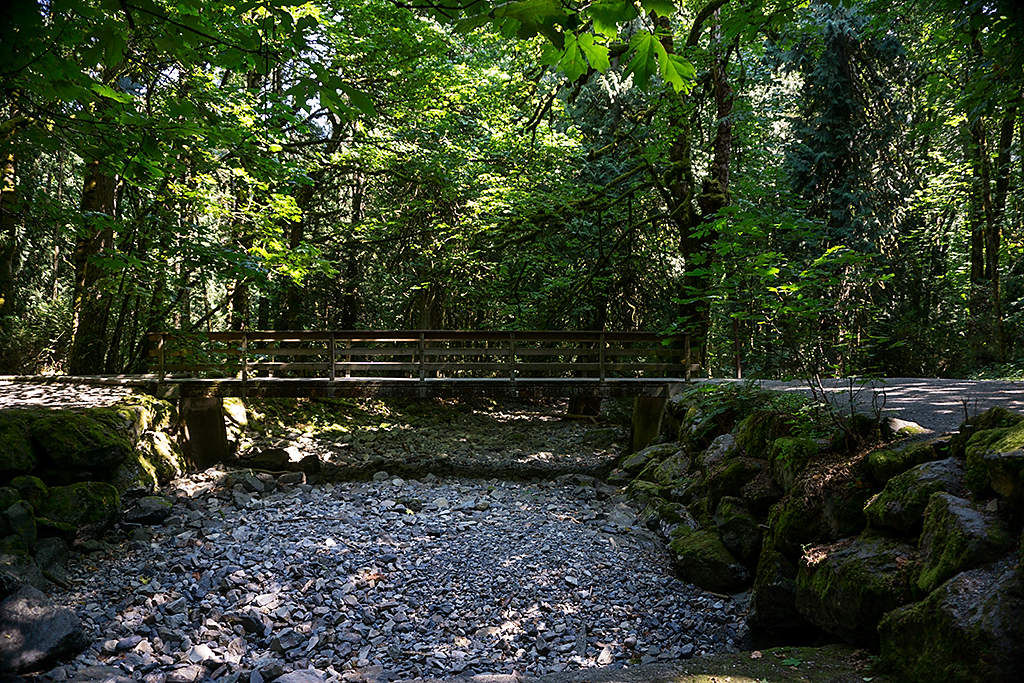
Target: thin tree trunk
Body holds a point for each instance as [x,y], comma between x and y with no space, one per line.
[91,305]
[10,219]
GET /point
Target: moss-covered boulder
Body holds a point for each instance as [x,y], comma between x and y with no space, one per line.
[821,508]
[16,454]
[846,587]
[720,451]
[995,465]
[20,521]
[8,497]
[74,446]
[31,489]
[730,478]
[635,463]
[788,457]
[993,418]
[969,630]
[672,469]
[236,419]
[883,465]
[957,536]
[91,507]
[757,433]
[700,558]
[761,493]
[773,597]
[645,493]
[154,461]
[901,504]
[739,531]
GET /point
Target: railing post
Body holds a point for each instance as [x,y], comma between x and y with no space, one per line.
[600,357]
[348,358]
[686,352]
[245,357]
[422,350]
[160,354]
[330,340]
[512,356]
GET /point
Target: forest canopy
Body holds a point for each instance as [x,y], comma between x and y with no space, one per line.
[829,187]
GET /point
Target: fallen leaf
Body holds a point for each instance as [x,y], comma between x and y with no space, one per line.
[791,662]
[756,654]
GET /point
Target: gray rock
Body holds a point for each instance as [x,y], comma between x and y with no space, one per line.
[845,588]
[149,510]
[301,676]
[902,503]
[34,633]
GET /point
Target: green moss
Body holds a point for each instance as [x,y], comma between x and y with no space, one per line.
[729,479]
[956,537]
[993,418]
[31,489]
[883,465]
[788,457]
[758,432]
[794,522]
[645,492]
[79,441]
[8,497]
[90,506]
[701,558]
[16,455]
[983,443]
[155,461]
[902,502]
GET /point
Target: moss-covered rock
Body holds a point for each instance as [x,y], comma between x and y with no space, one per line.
[16,455]
[154,461]
[969,630]
[20,521]
[856,432]
[773,597]
[995,464]
[8,497]
[883,465]
[672,469]
[901,505]
[993,418]
[700,558]
[75,445]
[845,588]
[739,531]
[758,432]
[91,507]
[788,457]
[635,463]
[730,478]
[720,451]
[818,510]
[154,414]
[645,492]
[31,489]
[957,537]
[761,493]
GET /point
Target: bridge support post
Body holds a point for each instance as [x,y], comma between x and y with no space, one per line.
[205,438]
[646,425]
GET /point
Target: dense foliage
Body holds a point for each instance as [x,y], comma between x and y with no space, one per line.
[825,188]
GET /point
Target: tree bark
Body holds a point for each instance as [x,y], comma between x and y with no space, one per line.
[91,305]
[10,219]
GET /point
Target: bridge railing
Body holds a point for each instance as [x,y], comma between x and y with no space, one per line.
[418,354]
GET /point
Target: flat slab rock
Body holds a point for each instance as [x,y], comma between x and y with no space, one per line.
[34,632]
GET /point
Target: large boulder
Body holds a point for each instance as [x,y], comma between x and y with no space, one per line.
[757,433]
[154,461]
[788,457]
[91,507]
[739,531]
[882,465]
[16,454]
[730,478]
[700,558]
[846,587]
[35,633]
[721,450]
[995,464]
[956,537]
[636,462]
[773,597]
[902,502]
[820,508]
[77,447]
[993,418]
[969,630]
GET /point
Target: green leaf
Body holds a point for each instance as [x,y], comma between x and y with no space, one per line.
[643,62]
[596,53]
[665,8]
[791,662]
[529,10]
[107,91]
[676,70]
[359,99]
[572,62]
[608,14]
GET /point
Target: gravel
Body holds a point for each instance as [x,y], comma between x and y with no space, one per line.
[257,575]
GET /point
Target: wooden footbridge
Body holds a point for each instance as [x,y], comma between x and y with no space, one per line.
[415,363]
[199,370]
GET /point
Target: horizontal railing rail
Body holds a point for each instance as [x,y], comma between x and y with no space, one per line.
[419,354]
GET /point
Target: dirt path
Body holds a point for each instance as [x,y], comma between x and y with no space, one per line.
[936,404]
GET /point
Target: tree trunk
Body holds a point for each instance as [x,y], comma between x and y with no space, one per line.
[91,305]
[10,219]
